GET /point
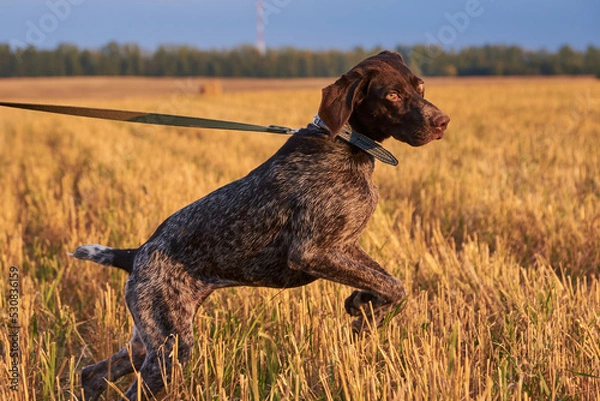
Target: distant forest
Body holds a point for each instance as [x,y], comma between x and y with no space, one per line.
[246,61]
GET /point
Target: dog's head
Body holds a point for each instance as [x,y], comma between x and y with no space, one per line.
[381,98]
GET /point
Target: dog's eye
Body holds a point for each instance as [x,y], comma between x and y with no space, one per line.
[392,97]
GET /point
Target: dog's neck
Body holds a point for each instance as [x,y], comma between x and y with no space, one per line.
[361,141]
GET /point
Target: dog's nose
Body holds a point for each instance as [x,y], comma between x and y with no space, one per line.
[440,121]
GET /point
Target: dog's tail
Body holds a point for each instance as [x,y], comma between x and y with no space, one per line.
[121,258]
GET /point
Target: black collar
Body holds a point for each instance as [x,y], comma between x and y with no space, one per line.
[361,141]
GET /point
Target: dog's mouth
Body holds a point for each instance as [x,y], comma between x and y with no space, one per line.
[421,137]
[438,133]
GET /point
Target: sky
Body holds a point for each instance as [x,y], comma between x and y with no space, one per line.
[309,24]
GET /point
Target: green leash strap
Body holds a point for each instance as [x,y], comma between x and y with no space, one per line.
[148,118]
[347,134]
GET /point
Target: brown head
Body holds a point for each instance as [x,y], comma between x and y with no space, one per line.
[381,98]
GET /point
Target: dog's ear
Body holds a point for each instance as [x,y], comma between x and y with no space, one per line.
[339,99]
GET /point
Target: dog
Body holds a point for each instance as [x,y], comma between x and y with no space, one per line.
[294,219]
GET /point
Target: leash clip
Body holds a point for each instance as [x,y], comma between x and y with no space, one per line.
[278,129]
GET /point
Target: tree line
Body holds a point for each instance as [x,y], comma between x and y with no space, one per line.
[247,61]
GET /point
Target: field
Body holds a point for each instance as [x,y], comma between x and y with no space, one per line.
[495,231]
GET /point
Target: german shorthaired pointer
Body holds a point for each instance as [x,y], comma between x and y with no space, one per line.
[294,219]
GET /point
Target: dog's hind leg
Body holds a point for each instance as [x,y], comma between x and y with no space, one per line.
[157,368]
[163,311]
[94,378]
[164,337]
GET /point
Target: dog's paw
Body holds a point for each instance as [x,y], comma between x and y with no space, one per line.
[358,303]
[360,326]
[93,384]
[371,310]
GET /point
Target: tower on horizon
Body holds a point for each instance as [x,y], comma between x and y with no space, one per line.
[260,28]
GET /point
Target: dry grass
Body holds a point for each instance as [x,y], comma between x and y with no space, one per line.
[495,230]
[94,88]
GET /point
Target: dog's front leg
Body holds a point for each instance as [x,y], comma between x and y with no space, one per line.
[357,253]
[353,267]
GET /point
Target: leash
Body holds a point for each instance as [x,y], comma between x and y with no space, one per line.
[148,118]
[347,134]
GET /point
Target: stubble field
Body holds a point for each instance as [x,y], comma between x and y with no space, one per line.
[494,230]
